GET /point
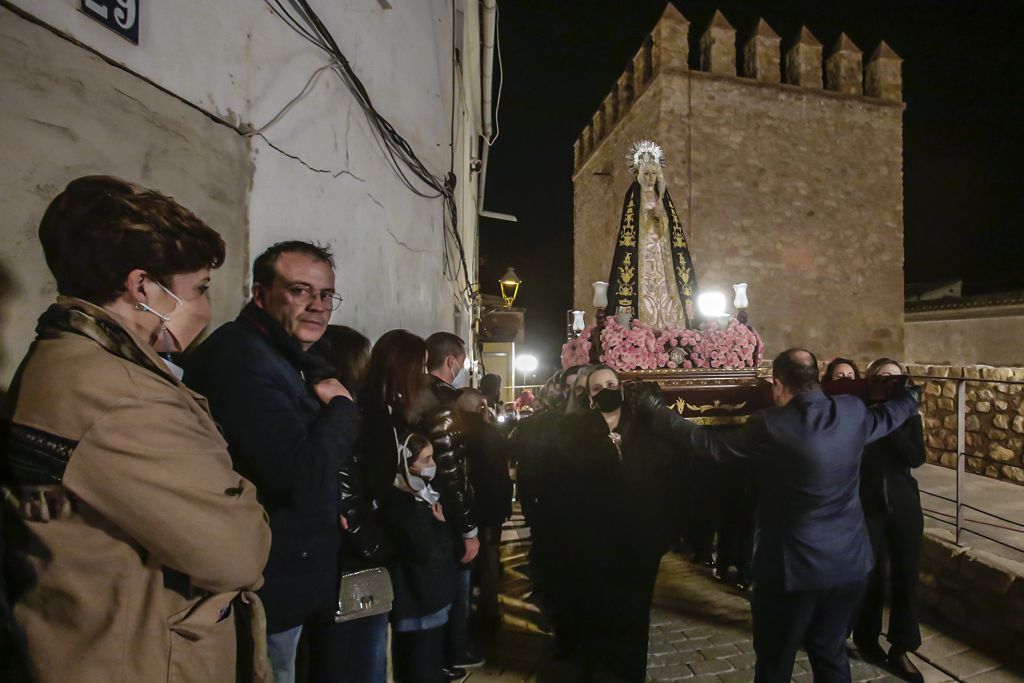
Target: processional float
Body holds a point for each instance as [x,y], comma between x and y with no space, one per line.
[652,322]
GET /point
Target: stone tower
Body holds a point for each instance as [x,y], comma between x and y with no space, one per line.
[780,182]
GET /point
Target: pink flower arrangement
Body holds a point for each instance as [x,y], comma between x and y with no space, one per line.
[642,347]
[733,346]
[577,351]
[630,348]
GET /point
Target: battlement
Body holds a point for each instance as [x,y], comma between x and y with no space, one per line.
[666,50]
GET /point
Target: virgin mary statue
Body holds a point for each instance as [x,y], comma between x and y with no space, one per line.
[652,274]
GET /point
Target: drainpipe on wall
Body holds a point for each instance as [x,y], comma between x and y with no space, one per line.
[489,24]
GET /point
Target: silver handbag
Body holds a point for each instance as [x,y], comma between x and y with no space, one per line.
[364,594]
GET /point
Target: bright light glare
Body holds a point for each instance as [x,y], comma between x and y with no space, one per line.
[711,304]
[526,363]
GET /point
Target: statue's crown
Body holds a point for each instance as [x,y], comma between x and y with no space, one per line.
[644,152]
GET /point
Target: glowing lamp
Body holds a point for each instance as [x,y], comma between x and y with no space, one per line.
[740,302]
[711,304]
[600,295]
[526,363]
[509,286]
[578,323]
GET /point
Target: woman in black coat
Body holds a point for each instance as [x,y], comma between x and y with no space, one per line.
[621,481]
[892,510]
[401,469]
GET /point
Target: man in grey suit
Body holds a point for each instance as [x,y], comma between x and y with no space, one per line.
[812,552]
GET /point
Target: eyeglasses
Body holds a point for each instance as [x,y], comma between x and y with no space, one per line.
[304,294]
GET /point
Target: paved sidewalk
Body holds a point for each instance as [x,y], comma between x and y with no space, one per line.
[700,631]
[1002,498]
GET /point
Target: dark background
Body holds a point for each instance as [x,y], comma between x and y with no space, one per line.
[963,84]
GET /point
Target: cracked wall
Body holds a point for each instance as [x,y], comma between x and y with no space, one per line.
[67,113]
[317,174]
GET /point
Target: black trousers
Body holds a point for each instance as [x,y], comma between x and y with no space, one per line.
[817,620]
[737,515]
[896,541]
[613,606]
[488,577]
[704,507]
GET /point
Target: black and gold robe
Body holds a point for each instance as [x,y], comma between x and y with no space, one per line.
[624,286]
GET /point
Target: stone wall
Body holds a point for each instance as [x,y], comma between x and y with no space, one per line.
[937,333]
[794,189]
[994,418]
[980,594]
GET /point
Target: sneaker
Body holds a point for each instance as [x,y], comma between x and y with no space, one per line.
[469,662]
[453,673]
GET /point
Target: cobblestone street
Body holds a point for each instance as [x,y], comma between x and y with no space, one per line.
[700,631]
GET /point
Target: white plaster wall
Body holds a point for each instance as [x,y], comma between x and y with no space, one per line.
[65,113]
[236,60]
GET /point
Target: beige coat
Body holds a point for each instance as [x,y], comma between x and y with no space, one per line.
[147,554]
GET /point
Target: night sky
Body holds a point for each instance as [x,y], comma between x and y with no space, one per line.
[963,83]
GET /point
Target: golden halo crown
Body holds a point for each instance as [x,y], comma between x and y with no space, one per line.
[643,152]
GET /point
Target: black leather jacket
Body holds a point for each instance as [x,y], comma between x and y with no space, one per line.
[366,542]
[434,416]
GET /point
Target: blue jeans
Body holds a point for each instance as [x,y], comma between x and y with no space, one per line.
[456,632]
[282,648]
[352,652]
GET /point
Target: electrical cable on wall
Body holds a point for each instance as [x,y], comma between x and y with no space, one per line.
[303,20]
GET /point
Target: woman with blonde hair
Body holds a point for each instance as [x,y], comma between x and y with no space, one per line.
[892,510]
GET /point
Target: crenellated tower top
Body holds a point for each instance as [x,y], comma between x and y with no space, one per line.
[667,48]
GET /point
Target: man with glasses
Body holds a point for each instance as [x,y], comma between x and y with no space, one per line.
[290,427]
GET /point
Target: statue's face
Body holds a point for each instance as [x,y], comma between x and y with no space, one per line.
[649,176]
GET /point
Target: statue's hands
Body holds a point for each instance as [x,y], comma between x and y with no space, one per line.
[644,397]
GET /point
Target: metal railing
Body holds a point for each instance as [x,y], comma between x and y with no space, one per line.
[959,519]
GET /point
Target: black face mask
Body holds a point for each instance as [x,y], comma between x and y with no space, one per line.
[608,400]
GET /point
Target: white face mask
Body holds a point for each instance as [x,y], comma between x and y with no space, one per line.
[178,303]
[409,482]
[428,472]
[461,378]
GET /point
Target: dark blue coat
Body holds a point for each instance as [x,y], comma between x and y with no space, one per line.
[290,445]
[811,532]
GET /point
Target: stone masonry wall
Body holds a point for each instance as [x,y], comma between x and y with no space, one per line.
[994,418]
[795,190]
[980,594]
[992,340]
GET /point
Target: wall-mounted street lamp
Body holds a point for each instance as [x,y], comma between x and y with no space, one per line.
[509,286]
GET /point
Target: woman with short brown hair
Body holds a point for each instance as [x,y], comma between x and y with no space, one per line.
[140,544]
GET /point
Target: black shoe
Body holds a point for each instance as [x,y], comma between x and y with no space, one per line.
[469,662]
[703,559]
[900,665]
[870,651]
[453,673]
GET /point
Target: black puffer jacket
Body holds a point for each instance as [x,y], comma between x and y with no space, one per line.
[433,414]
[422,574]
[422,571]
[366,541]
